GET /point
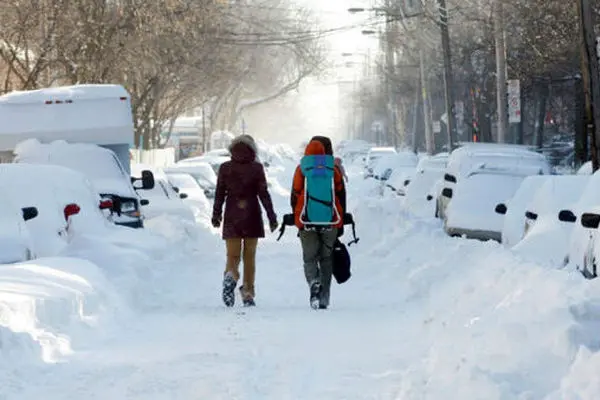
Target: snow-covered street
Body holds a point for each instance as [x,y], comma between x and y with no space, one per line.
[424,315]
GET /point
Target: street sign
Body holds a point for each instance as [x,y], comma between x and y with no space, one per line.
[437,127]
[514,101]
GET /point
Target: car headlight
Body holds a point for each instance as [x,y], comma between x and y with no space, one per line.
[129,208]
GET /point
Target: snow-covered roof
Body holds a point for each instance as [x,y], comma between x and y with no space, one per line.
[98,114]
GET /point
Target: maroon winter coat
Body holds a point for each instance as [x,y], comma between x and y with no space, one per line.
[241,182]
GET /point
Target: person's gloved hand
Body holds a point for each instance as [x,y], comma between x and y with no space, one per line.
[216,222]
[340,232]
[273,225]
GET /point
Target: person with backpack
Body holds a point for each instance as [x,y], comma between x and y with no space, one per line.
[240,184]
[318,202]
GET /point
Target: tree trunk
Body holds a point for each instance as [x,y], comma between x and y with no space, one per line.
[581,137]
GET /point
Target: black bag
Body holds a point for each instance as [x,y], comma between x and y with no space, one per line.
[341,262]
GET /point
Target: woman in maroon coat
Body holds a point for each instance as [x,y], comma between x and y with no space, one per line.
[240,184]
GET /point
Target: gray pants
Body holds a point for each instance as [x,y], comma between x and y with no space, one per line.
[317,253]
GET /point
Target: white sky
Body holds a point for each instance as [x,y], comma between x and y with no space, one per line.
[315,107]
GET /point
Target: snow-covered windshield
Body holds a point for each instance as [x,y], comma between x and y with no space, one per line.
[96,165]
[183,181]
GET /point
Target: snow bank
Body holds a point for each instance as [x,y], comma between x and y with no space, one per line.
[482,323]
[57,302]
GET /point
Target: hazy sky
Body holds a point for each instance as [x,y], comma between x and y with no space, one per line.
[314,109]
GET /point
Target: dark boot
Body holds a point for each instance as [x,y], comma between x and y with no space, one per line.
[229,284]
[246,298]
[315,293]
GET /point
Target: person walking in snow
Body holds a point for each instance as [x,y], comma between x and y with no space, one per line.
[318,203]
[240,184]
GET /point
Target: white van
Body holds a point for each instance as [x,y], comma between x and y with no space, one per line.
[474,156]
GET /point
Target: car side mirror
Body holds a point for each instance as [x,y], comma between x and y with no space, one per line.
[566,216]
[531,215]
[406,182]
[386,175]
[176,189]
[29,213]
[429,197]
[144,202]
[183,195]
[447,192]
[501,209]
[589,220]
[147,180]
[71,209]
[450,178]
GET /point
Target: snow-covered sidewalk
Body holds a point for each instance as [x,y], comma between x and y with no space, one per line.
[424,316]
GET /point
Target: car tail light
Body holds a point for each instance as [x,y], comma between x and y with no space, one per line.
[106,204]
[71,209]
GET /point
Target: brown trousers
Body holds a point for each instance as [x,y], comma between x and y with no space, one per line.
[238,250]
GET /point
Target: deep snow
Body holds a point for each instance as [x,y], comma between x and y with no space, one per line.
[424,316]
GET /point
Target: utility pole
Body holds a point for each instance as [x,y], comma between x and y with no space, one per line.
[500,71]
[426,106]
[389,73]
[590,71]
[448,79]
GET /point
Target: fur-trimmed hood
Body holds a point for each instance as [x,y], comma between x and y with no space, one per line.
[243,149]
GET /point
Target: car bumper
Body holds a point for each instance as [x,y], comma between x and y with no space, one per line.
[477,234]
[131,224]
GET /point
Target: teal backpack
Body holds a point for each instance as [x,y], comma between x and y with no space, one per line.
[319,191]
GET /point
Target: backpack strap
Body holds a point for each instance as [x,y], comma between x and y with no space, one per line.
[349,220]
[288,219]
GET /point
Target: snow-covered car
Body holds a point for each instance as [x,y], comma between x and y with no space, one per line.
[583,244]
[214,158]
[15,241]
[396,170]
[202,172]
[185,183]
[585,169]
[472,156]
[546,237]
[513,209]
[471,211]
[102,168]
[374,154]
[352,150]
[163,199]
[66,201]
[418,192]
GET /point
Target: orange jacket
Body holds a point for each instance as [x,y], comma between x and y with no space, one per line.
[314,148]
